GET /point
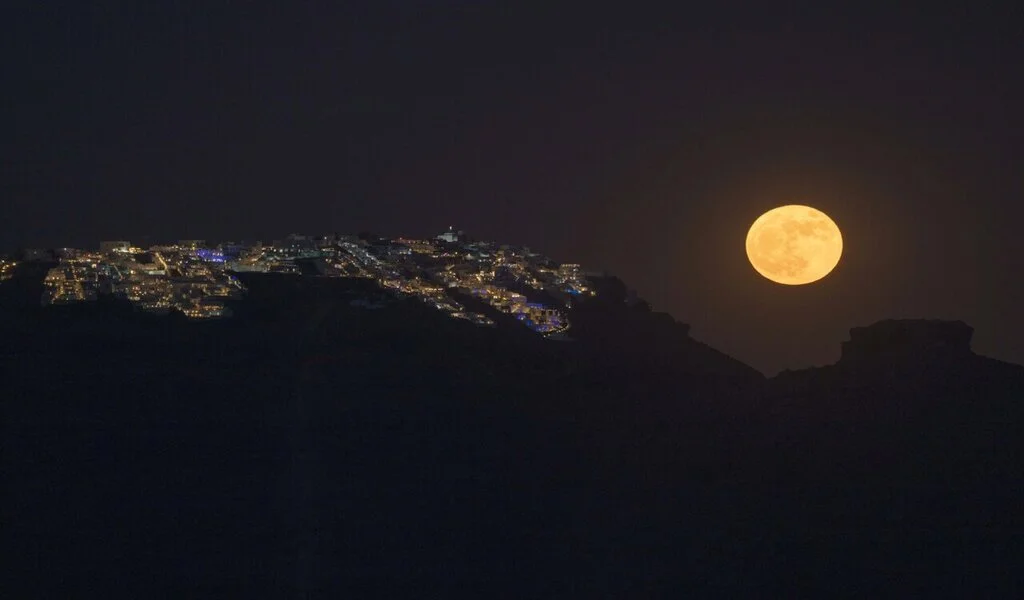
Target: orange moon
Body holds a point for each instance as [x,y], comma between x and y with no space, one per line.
[794,244]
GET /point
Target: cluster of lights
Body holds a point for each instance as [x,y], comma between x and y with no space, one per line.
[7,268]
[163,279]
[195,279]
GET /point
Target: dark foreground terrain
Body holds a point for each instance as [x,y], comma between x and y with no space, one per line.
[311,446]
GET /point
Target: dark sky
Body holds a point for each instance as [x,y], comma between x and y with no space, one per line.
[640,142]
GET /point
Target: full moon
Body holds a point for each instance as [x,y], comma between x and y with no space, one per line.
[794,244]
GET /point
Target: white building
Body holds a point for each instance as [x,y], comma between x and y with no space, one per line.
[452,236]
[116,246]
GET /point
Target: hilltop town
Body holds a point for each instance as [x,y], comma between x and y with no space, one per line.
[198,279]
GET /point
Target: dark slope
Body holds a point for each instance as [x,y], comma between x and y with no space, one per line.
[313,445]
[898,469]
[908,402]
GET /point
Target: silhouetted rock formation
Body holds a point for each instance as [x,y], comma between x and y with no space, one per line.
[903,339]
[908,402]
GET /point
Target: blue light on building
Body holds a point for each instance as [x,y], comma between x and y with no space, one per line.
[208,255]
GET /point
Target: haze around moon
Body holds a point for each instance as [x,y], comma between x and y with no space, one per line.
[794,244]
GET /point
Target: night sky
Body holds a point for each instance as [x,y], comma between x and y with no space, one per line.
[643,143]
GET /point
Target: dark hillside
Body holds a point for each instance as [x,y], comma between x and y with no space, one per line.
[323,444]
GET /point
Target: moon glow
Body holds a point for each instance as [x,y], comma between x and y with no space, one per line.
[794,244]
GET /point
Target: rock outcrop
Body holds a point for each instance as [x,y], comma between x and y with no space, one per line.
[903,340]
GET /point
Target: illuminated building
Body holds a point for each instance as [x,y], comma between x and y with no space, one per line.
[451,236]
[209,255]
[115,246]
[418,246]
[7,269]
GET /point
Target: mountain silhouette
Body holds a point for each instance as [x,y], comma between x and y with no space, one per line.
[331,439]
